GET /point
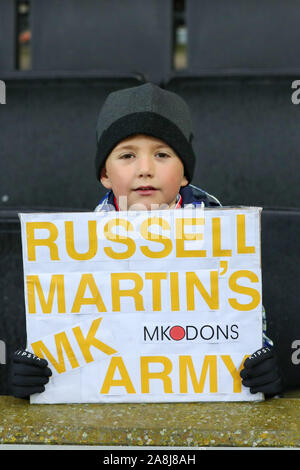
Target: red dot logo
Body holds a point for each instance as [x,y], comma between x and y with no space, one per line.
[177,333]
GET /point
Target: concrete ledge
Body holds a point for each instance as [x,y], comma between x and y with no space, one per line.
[273,423]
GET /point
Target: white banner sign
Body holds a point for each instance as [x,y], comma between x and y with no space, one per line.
[139,306]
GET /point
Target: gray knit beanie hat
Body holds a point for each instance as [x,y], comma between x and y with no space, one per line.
[150,110]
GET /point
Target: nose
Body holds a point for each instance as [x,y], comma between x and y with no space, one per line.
[146,165]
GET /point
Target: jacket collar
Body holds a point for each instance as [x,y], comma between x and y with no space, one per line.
[189,194]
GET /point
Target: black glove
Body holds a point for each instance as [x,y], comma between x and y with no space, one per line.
[261,373]
[29,374]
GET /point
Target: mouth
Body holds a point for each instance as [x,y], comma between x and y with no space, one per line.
[146,190]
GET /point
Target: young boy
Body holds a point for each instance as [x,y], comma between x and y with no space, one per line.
[146,161]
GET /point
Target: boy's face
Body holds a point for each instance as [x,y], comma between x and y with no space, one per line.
[142,161]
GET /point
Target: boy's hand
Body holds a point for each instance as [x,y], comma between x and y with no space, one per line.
[29,374]
[261,373]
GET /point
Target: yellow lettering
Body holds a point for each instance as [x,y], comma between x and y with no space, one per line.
[61,341]
[235,374]
[244,290]
[155,237]
[241,236]
[181,236]
[32,242]
[117,363]
[96,299]
[174,288]
[134,292]
[146,375]
[57,282]
[186,363]
[70,244]
[216,238]
[211,300]
[86,343]
[156,288]
[119,239]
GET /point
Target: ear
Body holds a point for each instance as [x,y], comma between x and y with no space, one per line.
[104,178]
[184,181]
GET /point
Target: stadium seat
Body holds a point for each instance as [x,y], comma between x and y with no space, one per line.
[48,137]
[247,137]
[7,36]
[280,240]
[127,36]
[243,35]
[242,60]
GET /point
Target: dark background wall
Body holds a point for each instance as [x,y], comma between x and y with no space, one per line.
[235,64]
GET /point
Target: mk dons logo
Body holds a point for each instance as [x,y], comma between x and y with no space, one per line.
[206,333]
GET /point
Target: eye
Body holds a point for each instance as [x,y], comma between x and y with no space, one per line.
[126,156]
[163,155]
